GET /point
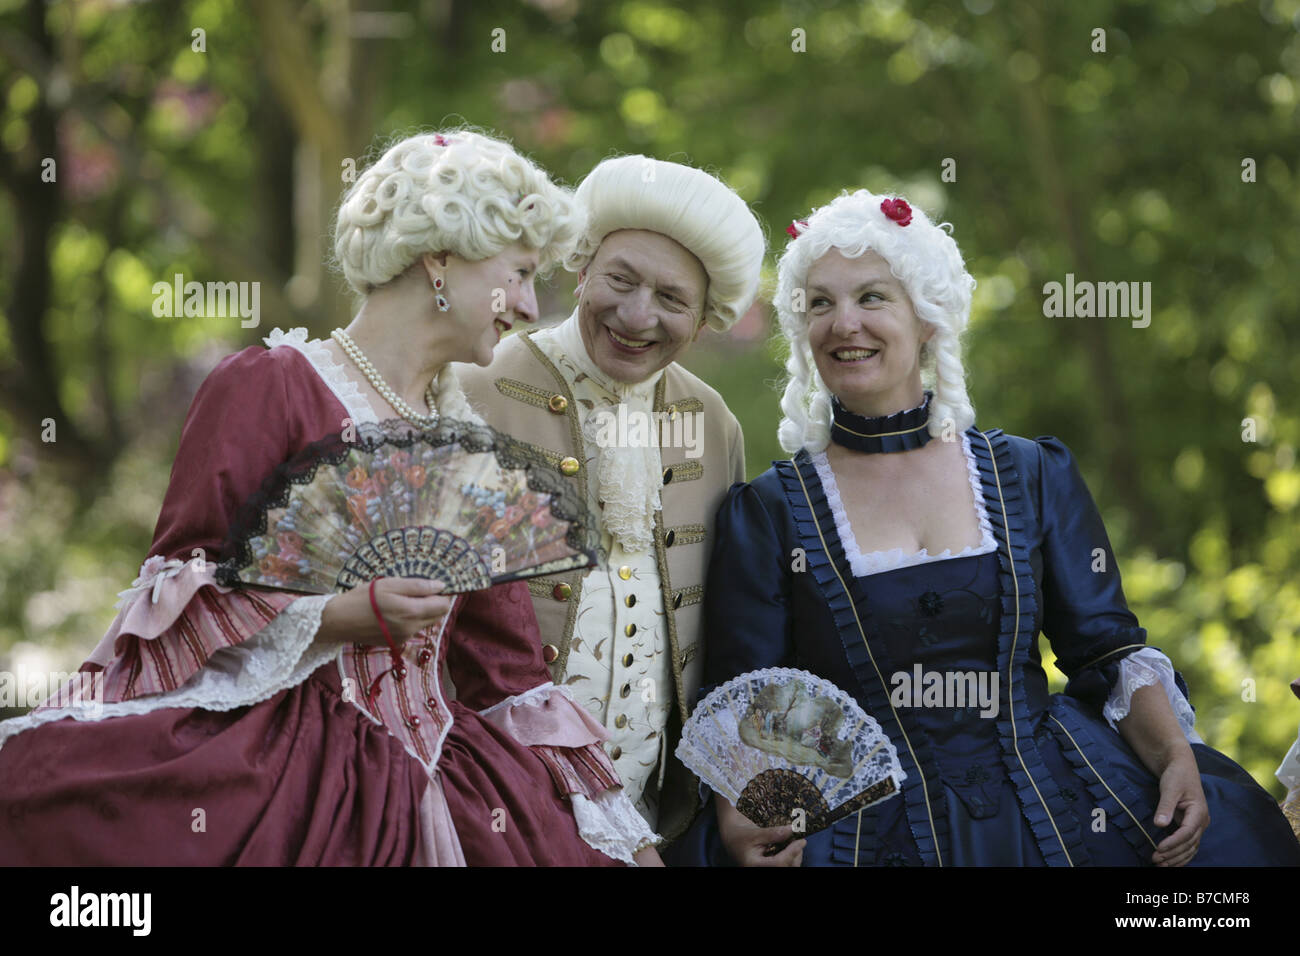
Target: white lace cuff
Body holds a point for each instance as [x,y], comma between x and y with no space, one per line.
[1140,669]
[612,825]
[278,657]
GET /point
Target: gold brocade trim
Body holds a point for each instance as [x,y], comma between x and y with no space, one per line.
[570,414]
[1011,657]
[685,534]
[925,789]
[1126,647]
[540,587]
[670,616]
[686,405]
[523,392]
[684,471]
[688,596]
[1116,798]
[560,664]
[552,458]
[689,653]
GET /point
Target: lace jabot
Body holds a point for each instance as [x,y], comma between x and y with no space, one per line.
[627,474]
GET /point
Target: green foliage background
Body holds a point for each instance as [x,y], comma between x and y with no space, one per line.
[1122,165]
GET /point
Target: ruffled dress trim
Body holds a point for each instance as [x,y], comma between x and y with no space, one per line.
[874,562]
[169,624]
[568,740]
[1044,807]
[332,373]
[926,805]
[277,658]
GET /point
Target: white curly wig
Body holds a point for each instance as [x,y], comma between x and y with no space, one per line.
[687,205]
[925,259]
[456,191]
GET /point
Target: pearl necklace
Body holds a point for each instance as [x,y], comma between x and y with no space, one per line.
[383,388]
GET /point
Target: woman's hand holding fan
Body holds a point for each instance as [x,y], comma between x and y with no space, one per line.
[408,605]
[789,751]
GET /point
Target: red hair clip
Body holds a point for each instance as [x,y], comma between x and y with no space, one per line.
[441,140]
[898,210]
[796,227]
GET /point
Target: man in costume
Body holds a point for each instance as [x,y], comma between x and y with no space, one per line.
[667,249]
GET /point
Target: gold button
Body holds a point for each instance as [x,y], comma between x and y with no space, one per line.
[616,752]
[558,404]
[549,653]
[672,413]
[668,475]
[630,630]
[627,660]
[625,572]
[630,600]
[570,466]
[677,600]
[620,721]
[669,538]
[627,689]
[561,591]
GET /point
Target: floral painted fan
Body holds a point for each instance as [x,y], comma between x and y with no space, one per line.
[779,741]
[460,502]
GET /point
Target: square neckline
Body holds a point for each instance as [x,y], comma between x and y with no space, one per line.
[864,564]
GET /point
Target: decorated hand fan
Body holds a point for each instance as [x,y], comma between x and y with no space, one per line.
[461,503]
[779,740]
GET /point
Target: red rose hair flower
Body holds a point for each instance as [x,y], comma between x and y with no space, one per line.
[898,210]
[796,227]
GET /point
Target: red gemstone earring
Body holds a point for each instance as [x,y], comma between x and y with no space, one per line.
[437,282]
[442,303]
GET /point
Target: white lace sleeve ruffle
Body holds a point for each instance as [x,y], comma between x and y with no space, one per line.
[278,657]
[873,562]
[1142,668]
[612,825]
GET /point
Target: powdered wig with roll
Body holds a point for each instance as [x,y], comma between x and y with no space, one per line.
[459,192]
[925,259]
[689,206]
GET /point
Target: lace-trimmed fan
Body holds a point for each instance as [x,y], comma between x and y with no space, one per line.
[461,503]
[779,740]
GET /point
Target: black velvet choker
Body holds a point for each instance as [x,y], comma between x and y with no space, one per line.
[901,431]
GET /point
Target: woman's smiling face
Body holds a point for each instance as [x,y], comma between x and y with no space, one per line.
[865,335]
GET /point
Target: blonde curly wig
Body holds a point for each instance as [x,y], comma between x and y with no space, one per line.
[457,191]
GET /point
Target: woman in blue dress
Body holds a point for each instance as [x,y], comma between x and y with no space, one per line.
[916,574]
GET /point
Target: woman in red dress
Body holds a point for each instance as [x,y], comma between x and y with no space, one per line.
[228,726]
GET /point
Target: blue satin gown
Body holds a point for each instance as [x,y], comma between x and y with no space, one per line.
[1023,778]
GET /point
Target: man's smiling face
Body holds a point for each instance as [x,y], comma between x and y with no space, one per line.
[640,304]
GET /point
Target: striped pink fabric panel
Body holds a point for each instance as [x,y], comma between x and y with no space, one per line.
[209,622]
[585,770]
[409,702]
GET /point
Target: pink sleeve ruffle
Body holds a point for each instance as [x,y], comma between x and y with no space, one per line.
[170,621]
[564,736]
